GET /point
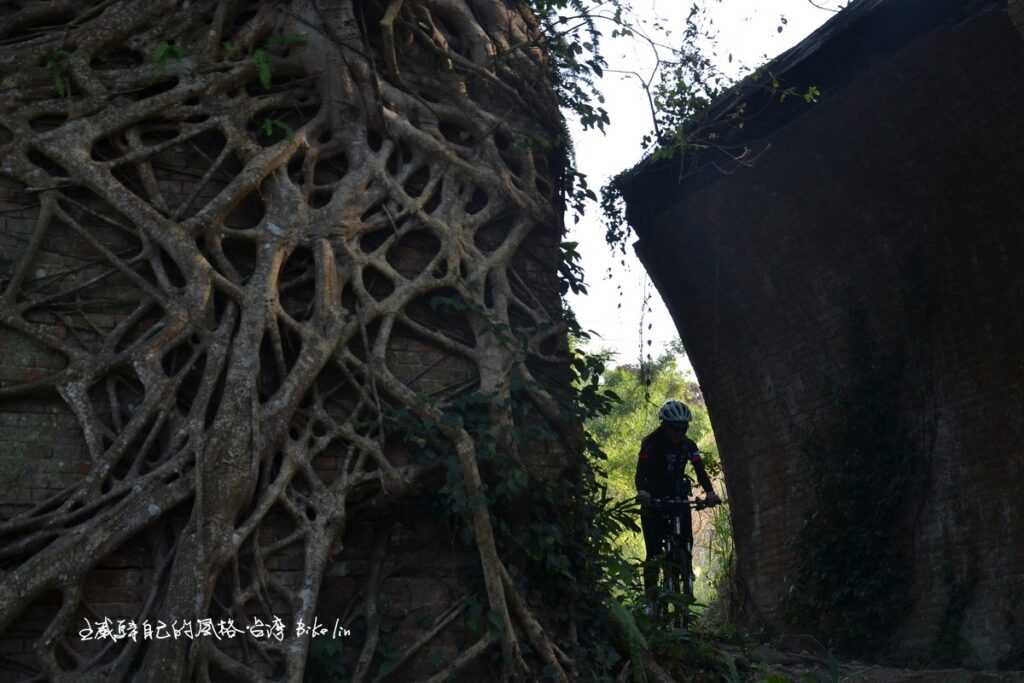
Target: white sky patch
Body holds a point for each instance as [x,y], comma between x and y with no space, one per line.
[748,30]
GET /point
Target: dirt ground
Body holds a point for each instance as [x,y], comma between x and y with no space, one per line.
[799,660]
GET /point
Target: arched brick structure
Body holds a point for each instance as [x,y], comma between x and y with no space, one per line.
[877,241]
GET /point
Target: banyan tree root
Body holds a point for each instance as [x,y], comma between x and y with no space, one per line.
[234,216]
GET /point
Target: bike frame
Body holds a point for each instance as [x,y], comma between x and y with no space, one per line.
[678,559]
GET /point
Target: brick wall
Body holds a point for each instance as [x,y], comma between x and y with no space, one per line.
[42,449]
[899,195]
[1016,10]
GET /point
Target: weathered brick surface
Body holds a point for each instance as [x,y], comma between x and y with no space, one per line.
[42,450]
[1016,10]
[898,195]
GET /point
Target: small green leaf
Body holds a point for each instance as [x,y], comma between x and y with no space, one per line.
[262,61]
[268,125]
[56,64]
[165,51]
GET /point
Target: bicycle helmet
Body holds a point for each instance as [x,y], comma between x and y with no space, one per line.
[674,411]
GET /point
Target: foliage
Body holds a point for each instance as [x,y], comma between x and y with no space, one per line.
[620,432]
[262,61]
[635,641]
[689,83]
[166,51]
[577,62]
[268,125]
[774,678]
[562,534]
[325,663]
[635,416]
[714,585]
[261,56]
[696,108]
[589,556]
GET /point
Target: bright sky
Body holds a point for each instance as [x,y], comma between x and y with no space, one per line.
[746,28]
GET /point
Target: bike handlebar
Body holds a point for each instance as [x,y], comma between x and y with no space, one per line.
[675,501]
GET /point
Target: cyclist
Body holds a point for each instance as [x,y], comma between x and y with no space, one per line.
[659,474]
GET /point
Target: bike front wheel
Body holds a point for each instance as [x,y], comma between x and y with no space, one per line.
[673,607]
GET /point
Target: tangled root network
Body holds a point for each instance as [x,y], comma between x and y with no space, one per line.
[254,239]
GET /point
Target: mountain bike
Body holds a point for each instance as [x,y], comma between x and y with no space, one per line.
[677,583]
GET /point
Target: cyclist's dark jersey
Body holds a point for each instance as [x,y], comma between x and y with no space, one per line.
[660,466]
[660,472]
